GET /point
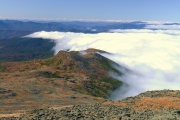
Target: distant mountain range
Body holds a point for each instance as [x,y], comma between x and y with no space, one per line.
[14,28]
[12,44]
[74,26]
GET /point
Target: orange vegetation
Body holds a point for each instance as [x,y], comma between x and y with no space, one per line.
[157,103]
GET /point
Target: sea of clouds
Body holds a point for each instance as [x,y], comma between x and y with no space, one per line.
[152,55]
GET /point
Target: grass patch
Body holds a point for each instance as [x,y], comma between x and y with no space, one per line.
[114,82]
[2,68]
[48,62]
[78,89]
[49,74]
[98,91]
[107,64]
[59,62]
[99,87]
[103,87]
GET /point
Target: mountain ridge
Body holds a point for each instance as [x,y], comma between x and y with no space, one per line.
[73,85]
[65,79]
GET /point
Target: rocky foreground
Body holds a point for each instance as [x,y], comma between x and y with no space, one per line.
[99,112]
[151,105]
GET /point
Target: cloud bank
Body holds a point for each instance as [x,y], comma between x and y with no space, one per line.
[164,27]
[152,55]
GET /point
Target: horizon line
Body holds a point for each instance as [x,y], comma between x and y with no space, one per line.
[82,20]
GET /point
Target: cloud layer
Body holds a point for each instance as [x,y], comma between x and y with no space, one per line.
[164,27]
[152,55]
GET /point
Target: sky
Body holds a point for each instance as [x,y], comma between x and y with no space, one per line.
[143,10]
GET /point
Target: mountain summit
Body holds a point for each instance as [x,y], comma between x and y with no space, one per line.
[65,79]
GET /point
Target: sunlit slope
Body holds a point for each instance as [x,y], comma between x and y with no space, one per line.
[151,105]
[58,78]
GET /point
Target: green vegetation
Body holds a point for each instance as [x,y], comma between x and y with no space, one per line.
[49,62]
[107,64]
[98,91]
[59,62]
[99,87]
[49,74]
[23,49]
[2,68]
[103,87]
[78,89]
[114,82]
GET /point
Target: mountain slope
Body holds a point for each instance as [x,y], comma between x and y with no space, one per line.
[21,49]
[72,85]
[151,105]
[66,79]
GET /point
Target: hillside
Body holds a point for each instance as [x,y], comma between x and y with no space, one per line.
[23,49]
[151,105]
[72,85]
[68,78]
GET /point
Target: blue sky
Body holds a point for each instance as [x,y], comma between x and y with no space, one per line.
[148,10]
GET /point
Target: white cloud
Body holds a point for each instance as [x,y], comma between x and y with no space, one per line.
[163,27]
[93,30]
[152,55]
